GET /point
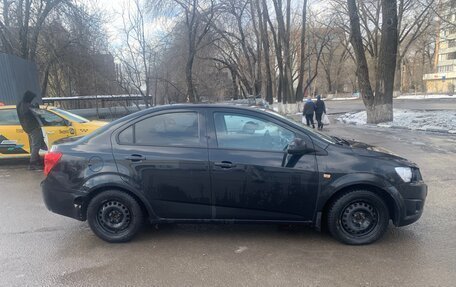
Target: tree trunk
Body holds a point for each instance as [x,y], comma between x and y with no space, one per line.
[299,90]
[234,82]
[383,106]
[191,94]
[329,81]
[44,84]
[398,76]
[265,41]
[258,67]
[379,107]
[282,59]
[362,69]
[288,56]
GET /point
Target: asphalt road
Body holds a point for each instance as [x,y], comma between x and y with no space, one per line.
[38,248]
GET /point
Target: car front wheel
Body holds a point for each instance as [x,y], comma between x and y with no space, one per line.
[358,217]
[114,216]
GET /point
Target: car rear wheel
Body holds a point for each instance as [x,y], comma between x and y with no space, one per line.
[358,217]
[114,216]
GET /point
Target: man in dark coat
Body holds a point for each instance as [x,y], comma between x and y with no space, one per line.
[308,112]
[320,108]
[32,127]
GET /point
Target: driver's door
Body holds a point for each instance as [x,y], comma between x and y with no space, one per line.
[248,176]
[54,127]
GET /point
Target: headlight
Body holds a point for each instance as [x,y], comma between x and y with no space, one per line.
[405,173]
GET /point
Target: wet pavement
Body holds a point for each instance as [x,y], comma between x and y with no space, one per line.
[38,248]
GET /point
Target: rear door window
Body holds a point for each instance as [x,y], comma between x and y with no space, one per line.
[9,117]
[172,129]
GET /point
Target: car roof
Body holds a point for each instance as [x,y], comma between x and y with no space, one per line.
[7,107]
[170,106]
[222,105]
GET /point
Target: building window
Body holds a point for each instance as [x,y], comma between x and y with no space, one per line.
[452,43]
[451,56]
[445,69]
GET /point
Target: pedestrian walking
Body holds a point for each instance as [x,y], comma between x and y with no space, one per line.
[308,112]
[320,108]
[32,127]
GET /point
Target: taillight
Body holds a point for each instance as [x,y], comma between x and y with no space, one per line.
[50,160]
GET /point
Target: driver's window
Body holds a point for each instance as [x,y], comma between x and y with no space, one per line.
[49,119]
[246,132]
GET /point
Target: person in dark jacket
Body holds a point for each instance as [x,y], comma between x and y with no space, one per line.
[32,127]
[308,112]
[320,108]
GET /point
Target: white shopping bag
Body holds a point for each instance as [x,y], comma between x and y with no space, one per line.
[325,119]
[303,120]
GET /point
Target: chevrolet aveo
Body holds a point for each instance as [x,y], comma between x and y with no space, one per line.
[219,164]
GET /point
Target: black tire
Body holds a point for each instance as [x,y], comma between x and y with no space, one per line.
[114,216]
[358,217]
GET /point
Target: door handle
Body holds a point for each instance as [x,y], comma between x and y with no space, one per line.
[225,164]
[50,133]
[135,157]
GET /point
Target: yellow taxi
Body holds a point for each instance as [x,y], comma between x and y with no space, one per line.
[56,124]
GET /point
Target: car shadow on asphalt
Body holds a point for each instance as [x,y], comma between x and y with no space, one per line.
[215,232]
[267,232]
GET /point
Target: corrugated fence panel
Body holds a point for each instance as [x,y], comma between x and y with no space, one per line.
[16,77]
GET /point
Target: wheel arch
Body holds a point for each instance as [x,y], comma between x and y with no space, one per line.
[142,201]
[383,193]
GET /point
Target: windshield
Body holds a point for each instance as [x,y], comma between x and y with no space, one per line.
[71,117]
[312,132]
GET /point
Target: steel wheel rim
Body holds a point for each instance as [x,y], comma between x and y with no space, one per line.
[359,218]
[114,216]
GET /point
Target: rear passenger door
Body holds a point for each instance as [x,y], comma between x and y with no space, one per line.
[13,139]
[165,156]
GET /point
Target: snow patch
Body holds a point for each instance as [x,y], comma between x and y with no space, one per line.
[423,97]
[436,121]
[343,99]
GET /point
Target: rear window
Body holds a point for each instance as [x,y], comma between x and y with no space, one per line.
[172,129]
[9,117]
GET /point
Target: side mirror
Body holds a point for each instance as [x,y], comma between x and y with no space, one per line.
[297,147]
[68,123]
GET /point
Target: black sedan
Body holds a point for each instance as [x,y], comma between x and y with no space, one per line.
[220,163]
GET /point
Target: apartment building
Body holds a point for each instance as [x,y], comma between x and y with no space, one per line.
[444,78]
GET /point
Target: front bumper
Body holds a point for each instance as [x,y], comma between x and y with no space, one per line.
[413,196]
[63,202]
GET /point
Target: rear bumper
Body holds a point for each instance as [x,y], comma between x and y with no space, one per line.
[413,199]
[63,202]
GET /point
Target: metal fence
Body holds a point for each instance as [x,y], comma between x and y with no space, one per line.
[16,77]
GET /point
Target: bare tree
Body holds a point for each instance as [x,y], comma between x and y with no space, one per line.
[28,18]
[198,22]
[263,19]
[379,105]
[414,19]
[136,54]
[302,54]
